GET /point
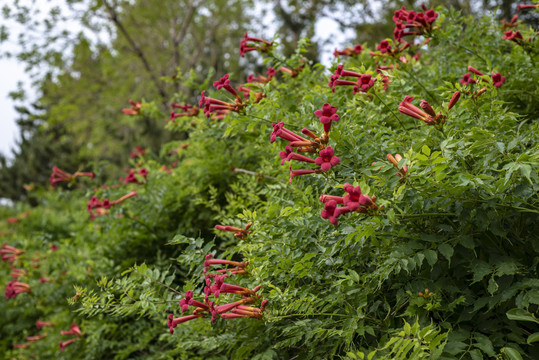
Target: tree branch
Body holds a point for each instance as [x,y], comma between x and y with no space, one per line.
[114,17]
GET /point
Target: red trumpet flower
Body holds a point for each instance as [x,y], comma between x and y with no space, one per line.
[239,233]
[247,45]
[134,109]
[14,288]
[59,175]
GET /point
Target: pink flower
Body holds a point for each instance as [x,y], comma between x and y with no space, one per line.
[294,173]
[41,324]
[352,200]
[515,36]
[522,7]
[239,233]
[59,175]
[325,198]
[143,172]
[224,82]
[10,253]
[280,131]
[134,109]
[284,154]
[474,70]
[14,288]
[406,107]
[299,157]
[64,344]
[326,160]
[330,212]
[271,72]
[349,51]
[498,79]
[73,330]
[431,16]
[327,115]
[184,303]
[365,82]
[260,44]
[467,79]
[384,46]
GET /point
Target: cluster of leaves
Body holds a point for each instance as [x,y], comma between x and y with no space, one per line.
[461,222]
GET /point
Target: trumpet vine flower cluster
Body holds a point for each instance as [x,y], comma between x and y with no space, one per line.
[58,175]
[132,176]
[73,330]
[497,78]
[395,161]
[134,109]
[97,208]
[356,50]
[219,107]
[409,22]
[188,111]
[353,201]
[14,288]
[326,159]
[363,83]
[216,285]
[270,73]
[426,113]
[254,44]
[10,253]
[139,151]
[239,233]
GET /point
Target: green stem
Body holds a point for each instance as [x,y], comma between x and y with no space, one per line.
[309,314]
[424,88]
[391,111]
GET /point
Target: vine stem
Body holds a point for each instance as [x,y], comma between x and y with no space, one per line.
[424,88]
[425,214]
[310,314]
[391,111]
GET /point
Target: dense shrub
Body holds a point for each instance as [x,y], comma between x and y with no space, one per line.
[437,258]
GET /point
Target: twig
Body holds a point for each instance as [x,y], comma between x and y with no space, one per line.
[254,174]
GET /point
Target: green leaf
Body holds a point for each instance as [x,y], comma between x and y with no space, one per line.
[533,338]
[526,170]
[426,150]
[484,344]
[521,315]
[492,286]
[511,354]
[447,251]
[431,257]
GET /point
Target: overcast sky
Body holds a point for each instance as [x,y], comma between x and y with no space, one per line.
[10,73]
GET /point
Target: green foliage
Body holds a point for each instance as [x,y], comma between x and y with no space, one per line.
[444,268]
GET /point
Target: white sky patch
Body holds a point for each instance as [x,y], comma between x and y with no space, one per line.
[11,72]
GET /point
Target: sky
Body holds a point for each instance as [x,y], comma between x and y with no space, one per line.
[11,72]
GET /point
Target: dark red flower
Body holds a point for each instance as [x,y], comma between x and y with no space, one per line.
[498,79]
[384,46]
[467,79]
[330,212]
[365,82]
[327,115]
[515,36]
[326,160]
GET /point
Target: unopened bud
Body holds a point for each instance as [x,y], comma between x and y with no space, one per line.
[454,99]
[428,109]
